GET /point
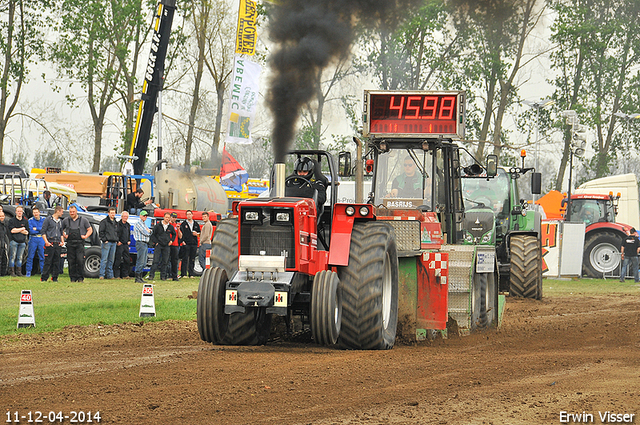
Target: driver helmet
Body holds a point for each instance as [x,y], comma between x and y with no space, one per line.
[303,164]
[589,210]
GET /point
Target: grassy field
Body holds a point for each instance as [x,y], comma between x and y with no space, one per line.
[57,305]
[564,287]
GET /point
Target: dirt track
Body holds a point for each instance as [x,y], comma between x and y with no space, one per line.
[570,354]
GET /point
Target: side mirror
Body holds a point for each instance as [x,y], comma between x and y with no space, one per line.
[536,183]
[344,164]
[492,165]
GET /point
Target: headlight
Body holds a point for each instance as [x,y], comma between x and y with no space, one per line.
[282,216]
[486,238]
[468,237]
[251,215]
[364,211]
[350,210]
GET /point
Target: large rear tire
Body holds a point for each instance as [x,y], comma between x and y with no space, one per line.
[526,267]
[369,287]
[224,246]
[601,254]
[326,308]
[249,328]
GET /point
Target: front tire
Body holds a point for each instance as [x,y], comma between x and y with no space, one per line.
[479,317]
[369,287]
[326,308]
[249,328]
[212,322]
[526,267]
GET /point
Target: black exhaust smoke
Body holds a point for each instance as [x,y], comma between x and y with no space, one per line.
[310,34]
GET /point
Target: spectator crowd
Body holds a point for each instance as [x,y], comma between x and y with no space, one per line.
[45,237]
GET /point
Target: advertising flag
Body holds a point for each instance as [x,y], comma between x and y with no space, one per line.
[231,173]
[244,98]
[247,33]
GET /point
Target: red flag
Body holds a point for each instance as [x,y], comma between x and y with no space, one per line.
[231,173]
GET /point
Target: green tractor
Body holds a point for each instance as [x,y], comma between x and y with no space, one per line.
[515,230]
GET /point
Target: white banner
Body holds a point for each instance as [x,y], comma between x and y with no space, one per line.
[244,99]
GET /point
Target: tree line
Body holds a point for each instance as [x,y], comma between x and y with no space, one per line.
[586,51]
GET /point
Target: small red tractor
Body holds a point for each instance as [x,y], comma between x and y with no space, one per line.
[356,274]
[603,235]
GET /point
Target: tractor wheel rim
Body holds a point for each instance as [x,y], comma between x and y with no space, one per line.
[386,291]
[605,257]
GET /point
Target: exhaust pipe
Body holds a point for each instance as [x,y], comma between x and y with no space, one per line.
[279,178]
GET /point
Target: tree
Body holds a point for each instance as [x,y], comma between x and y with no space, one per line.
[110,163]
[495,55]
[313,111]
[597,59]
[49,158]
[94,36]
[212,31]
[19,158]
[414,55]
[21,40]
[256,158]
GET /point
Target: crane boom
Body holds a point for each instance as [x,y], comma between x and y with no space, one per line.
[153,81]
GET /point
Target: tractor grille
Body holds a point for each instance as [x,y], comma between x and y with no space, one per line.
[407,234]
[273,240]
[478,222]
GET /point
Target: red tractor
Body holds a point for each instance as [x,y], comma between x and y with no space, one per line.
[338,272]
[603,236]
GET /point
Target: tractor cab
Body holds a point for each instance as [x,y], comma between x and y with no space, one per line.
[404,179]
[322,176]
[492,196]
[593,209]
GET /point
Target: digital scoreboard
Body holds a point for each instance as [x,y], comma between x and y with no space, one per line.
[411,114]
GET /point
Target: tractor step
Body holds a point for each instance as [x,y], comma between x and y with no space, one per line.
[460,266]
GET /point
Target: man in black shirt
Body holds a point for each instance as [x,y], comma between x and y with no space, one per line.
[18,232]
[108,232]
[122,262]
[134,204]
[75,230]
[629,254]
[4,245]
[53,242]
[190,232]
[161,237]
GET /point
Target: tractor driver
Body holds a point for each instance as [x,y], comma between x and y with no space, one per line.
[588,215]
[304,168]
[409,184]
